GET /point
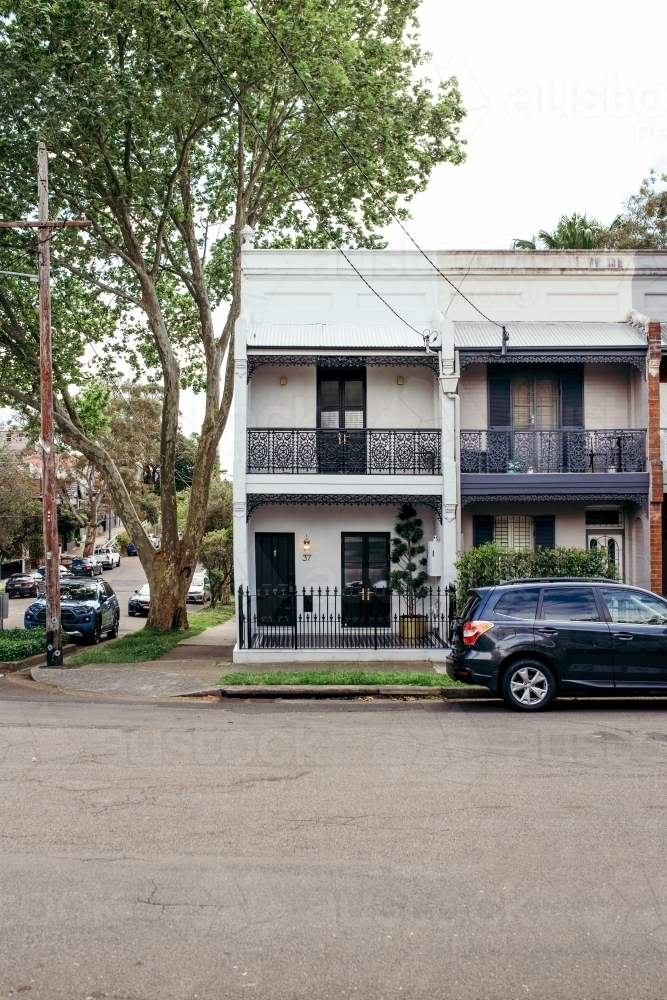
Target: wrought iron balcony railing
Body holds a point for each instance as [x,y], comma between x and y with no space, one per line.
[553,451]
[363,451]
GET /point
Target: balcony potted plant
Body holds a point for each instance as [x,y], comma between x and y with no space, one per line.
[410,578]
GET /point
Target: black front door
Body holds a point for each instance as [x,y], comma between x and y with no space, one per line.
[571,629]
[274,565]
[365,576]
[341,417]
[639,637]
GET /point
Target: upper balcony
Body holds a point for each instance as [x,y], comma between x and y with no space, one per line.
[552,451]
[362,451]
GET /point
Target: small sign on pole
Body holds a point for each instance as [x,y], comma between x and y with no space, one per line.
[4,609]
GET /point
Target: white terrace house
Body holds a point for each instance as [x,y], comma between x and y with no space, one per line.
[342,415]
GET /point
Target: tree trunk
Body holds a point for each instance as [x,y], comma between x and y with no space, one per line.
[91,529]
[169,581]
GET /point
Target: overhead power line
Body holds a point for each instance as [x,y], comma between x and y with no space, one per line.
[359,167]
[295,187]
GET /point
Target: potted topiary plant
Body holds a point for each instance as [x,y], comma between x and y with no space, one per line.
[410,578]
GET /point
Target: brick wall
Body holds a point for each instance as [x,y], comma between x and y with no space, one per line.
[654,461]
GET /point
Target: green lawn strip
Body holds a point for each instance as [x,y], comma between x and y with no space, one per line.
[150,643]
[18,643]
[374,677]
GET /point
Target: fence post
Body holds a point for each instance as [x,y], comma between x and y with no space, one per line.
[240,614]
[249,616]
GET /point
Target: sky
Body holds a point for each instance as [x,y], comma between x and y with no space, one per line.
[567,112]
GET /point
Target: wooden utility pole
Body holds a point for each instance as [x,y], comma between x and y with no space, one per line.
[54,653]
[54,646]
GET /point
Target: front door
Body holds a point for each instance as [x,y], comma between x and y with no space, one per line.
[274,566]
[612,542]
[365,574]
[341,417]
[639,637]
[571,629]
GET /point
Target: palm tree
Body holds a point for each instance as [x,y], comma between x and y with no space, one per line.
[574,232]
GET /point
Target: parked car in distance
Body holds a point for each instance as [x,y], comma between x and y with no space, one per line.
[86,566]
[131,549]
[108,556]
[531,640]
[21,585]
[88,609]
[140,602]
[155,541]
[65,572]
[200,589]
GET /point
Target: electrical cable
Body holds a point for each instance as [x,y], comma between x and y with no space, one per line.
[363,172]
[283,170]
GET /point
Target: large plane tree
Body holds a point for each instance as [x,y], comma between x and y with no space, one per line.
[148,142]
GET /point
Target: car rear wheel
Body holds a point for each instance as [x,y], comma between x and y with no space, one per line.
[529,686]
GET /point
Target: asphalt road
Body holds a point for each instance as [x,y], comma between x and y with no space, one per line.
[326,850]
[124,579]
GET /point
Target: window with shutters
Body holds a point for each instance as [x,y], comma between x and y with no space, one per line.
[540,401]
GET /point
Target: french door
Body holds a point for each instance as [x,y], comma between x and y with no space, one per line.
[365,578]
[274,567]
[341,417]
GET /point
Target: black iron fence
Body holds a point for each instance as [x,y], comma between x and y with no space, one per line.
[364,451]
[490,451]
[354,618]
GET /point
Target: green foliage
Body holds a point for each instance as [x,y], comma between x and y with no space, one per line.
[19,643]
[220,505]
[643,224]
[217,556]
[488,564]
[20,510]
[121,540]
[93,408]
[408,552]
[375,677]
[573,232]
[151,643]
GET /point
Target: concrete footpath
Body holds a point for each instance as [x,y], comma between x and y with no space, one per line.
[193,667]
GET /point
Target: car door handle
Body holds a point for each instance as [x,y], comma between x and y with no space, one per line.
[623,635]
[548,631]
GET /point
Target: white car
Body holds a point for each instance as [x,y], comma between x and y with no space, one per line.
[200,589]
[107,556]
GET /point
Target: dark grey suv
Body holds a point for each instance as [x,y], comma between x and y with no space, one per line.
[531,640]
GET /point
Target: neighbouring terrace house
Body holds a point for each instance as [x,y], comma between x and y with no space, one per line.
[559,432]
[345,410]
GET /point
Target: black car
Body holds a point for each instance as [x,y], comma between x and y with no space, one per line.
[21,585]
[86,566]
[531,640]
[88,608]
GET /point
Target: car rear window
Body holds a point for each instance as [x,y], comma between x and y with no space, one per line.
[570,604]
[518,603]
[470,607]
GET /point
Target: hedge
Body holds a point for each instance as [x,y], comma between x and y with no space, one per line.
[17,643]
[488,564]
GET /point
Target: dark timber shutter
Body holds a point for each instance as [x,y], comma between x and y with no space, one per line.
[482,529]
[545,531]
[500,414]
[572,400]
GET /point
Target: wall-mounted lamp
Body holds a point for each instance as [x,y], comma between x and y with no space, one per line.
[283,379]
[306,549]
[400,380]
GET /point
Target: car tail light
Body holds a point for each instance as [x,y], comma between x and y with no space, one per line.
[473,630]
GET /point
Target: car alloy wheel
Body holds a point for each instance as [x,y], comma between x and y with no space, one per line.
[529,686]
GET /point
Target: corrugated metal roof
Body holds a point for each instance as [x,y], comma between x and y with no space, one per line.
[470,335]
[333,335]
[545,335]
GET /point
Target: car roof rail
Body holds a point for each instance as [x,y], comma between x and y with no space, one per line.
[557,579]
